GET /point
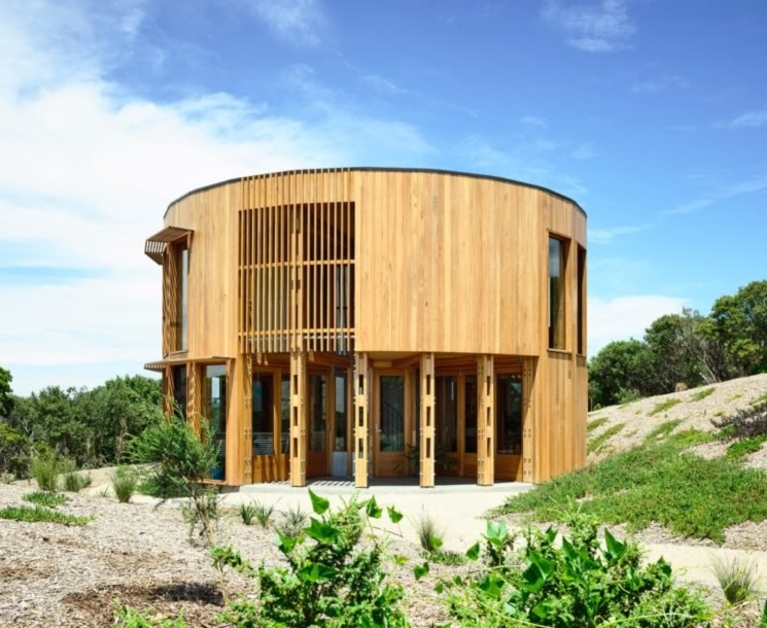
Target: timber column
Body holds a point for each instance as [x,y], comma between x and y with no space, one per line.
[297,418]
[361,420]
[486,421]
[427,420]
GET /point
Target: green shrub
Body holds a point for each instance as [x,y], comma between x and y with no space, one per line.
[43,498]
[332,579]
[597,443]
[596,423]
[578,582]
[689,495]
[742,448]
[663,406]
[45,470]
[738,578]
[7,478]
[73,480]
[40,513]
[702,394]
[124,483]
[744,423]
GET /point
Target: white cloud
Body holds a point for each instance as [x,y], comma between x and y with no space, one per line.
[660,84]
[746,120]
[534,121]
[298,21]
[722,193]
[626,317]
[584,150]
[602,27]
[603,236]
[87,169]
[382,85]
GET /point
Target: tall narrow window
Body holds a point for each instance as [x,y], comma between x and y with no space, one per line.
[446,408]
[183,299]
[214,409]
[317,410]
[341,412]
[263,415]
[509,414]
[581,301]
[557,294]
[470,405]
[179,388]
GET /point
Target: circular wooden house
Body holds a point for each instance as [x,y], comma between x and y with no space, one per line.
[367,322]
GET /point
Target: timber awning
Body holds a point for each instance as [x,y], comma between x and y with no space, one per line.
[155,245]
[160,365]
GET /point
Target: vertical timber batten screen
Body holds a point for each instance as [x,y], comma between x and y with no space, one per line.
[296,266]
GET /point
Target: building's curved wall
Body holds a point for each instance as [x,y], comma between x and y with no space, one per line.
[444,262]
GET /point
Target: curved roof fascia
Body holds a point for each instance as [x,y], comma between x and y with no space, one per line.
[373,169]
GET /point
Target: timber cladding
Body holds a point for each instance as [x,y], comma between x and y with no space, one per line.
[403,268]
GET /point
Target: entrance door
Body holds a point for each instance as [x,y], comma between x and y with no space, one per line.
[392,425]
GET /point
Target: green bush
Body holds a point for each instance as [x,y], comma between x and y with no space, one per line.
[332,579]
[45,470]
[73,480]
[579,581]
[124,483]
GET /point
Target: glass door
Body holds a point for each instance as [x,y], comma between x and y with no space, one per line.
[391,425]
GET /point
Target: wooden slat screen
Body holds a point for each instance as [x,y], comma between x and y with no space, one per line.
[296,265]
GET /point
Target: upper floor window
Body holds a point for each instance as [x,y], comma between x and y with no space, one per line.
[557,292]
[182,295]
[581,323]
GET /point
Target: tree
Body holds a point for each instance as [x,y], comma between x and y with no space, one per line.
[739,324]
[6,398]
[619,372]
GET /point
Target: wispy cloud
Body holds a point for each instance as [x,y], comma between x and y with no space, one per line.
[746,120]
[660,84]
[603,236]
[298,21]
[584,150]
[534,121]
[382,85]
[749,186]
[626,317]
[602,27]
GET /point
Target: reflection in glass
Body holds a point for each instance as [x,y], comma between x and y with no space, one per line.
[509,414]
[263,415]
[392,413]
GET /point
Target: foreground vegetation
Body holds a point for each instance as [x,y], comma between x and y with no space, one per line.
[661,483]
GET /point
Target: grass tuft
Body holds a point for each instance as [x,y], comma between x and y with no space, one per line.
[663,406]
[41,514]
[597,443]
[43,498]
[256,510]
[659,432]
[596,423]
[292,521]
[429,533]
[125,481]
[702,394]
[738,578]
[742,448]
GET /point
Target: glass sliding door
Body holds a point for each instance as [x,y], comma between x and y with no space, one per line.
[391,425]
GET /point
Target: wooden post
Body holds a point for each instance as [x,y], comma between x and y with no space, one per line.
[297,418]
[486,421]
[427,419]
[361,385]
[193,396]
[528,383]
[245,433]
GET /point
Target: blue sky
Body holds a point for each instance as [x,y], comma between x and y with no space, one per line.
[651,114]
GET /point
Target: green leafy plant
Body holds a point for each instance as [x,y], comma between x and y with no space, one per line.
[332,578]
[44,498]
[738,578]
[247,512]
[129,617]
[262,513]
[663,406]
[579,581]
[41,513]
[45,470]
[124,483]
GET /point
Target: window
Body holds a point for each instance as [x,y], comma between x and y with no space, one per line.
[509,414]
[581,329]
[318,417]
[470,404]
[214,409]
[341,412]
[179,388]
[446,408]
[557,293]
[182,294]
[263,415]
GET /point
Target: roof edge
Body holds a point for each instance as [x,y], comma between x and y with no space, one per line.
[473,175]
